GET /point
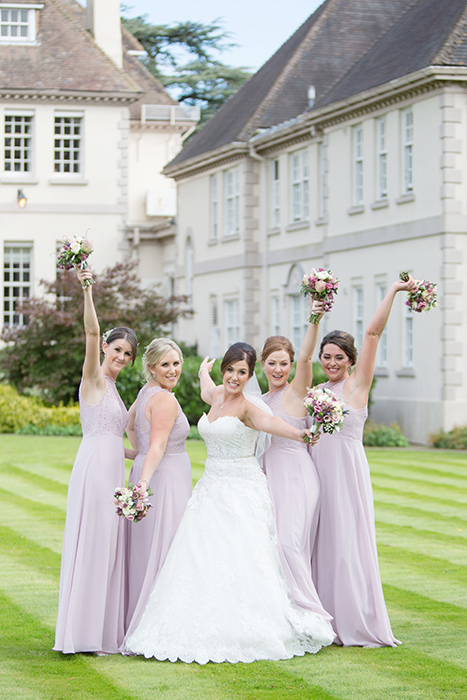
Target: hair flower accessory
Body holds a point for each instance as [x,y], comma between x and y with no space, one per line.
[106,334]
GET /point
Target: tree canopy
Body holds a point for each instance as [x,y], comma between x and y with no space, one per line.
[183,56]
[46,354]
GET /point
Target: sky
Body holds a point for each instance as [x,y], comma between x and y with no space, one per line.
[259,27]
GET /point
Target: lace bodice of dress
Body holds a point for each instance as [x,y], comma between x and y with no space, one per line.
[230,445]
[178,434]
[354,420]
[107,416]
[275,401]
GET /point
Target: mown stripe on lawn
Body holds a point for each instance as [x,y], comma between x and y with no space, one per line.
[436,518]
[35,483]
[423,489]
[419,476]
[27,654]
[419,540]
[28,553]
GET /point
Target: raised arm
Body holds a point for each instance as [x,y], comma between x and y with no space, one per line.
[207,385]
[161,412]
[304,368]
[360,380]
[93,383]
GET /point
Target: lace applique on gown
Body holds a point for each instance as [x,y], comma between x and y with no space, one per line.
[221,594]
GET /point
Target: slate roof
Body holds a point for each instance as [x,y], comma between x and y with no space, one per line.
[342,49]
[67,60]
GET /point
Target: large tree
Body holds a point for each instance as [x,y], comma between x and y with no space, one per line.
[47,352]
[202,79]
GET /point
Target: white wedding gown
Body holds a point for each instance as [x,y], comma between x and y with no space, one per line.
[221,594]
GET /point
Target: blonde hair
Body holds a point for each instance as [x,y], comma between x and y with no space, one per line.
[156,351]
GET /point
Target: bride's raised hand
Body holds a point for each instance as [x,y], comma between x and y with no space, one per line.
[408,285]
[207,365]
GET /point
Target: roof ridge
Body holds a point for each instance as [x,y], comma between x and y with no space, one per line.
[332,85]
[456,36]
[291,63]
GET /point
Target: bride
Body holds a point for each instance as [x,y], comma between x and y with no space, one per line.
[221,594]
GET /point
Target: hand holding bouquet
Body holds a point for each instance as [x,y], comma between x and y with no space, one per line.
[74,253]
[321,285]
[424,299]
[326,410]
[132,502]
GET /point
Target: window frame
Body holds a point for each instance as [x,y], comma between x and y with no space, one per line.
[381,158]
[11,298]
[357,165]
[275,194]
[231,321]
[407,143]
[299,175]
[30,23]
[22,136]
[214,207]
[232,201]
[63,137]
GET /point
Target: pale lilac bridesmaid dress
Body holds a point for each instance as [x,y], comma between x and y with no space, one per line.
[295,491]
[91,599]
[345,559]
[149,540]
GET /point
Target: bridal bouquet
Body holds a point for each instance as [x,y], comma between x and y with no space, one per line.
[326,410]
[322,285]
[424,299]
[74,252]
[132,502]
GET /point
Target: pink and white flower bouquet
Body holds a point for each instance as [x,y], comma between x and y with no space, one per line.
[75,252]
[132,502]
[322,285]
[425,298]
[326,410]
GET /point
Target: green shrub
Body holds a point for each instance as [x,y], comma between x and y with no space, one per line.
[130,380]
[51,429]
[455,439]
[384,436]
[16,411]
[27,413]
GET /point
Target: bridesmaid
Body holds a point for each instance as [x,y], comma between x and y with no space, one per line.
[161,429]
[91,598]
[345,559]
[292,478]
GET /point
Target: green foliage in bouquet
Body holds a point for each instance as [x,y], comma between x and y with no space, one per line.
[384,436]
[455,439]
[47,352]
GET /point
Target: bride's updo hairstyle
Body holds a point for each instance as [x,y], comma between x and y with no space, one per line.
[344,341]
[122,333]
[277,342]
[237,352]
[155,352]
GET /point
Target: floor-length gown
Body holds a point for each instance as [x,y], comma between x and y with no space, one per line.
[295,491]
[91,598]
[221,594]
[148,541]
[345,559]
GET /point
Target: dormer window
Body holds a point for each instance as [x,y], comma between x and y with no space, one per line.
[18,24]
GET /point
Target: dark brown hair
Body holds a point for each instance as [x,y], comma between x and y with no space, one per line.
[123,333]
[277,342]
[237,352]
[344,341]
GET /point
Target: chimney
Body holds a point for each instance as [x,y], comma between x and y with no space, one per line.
[103,21]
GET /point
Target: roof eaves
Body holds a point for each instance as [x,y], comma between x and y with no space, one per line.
[203,161]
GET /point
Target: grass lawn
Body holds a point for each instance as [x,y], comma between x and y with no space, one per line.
[421,514]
